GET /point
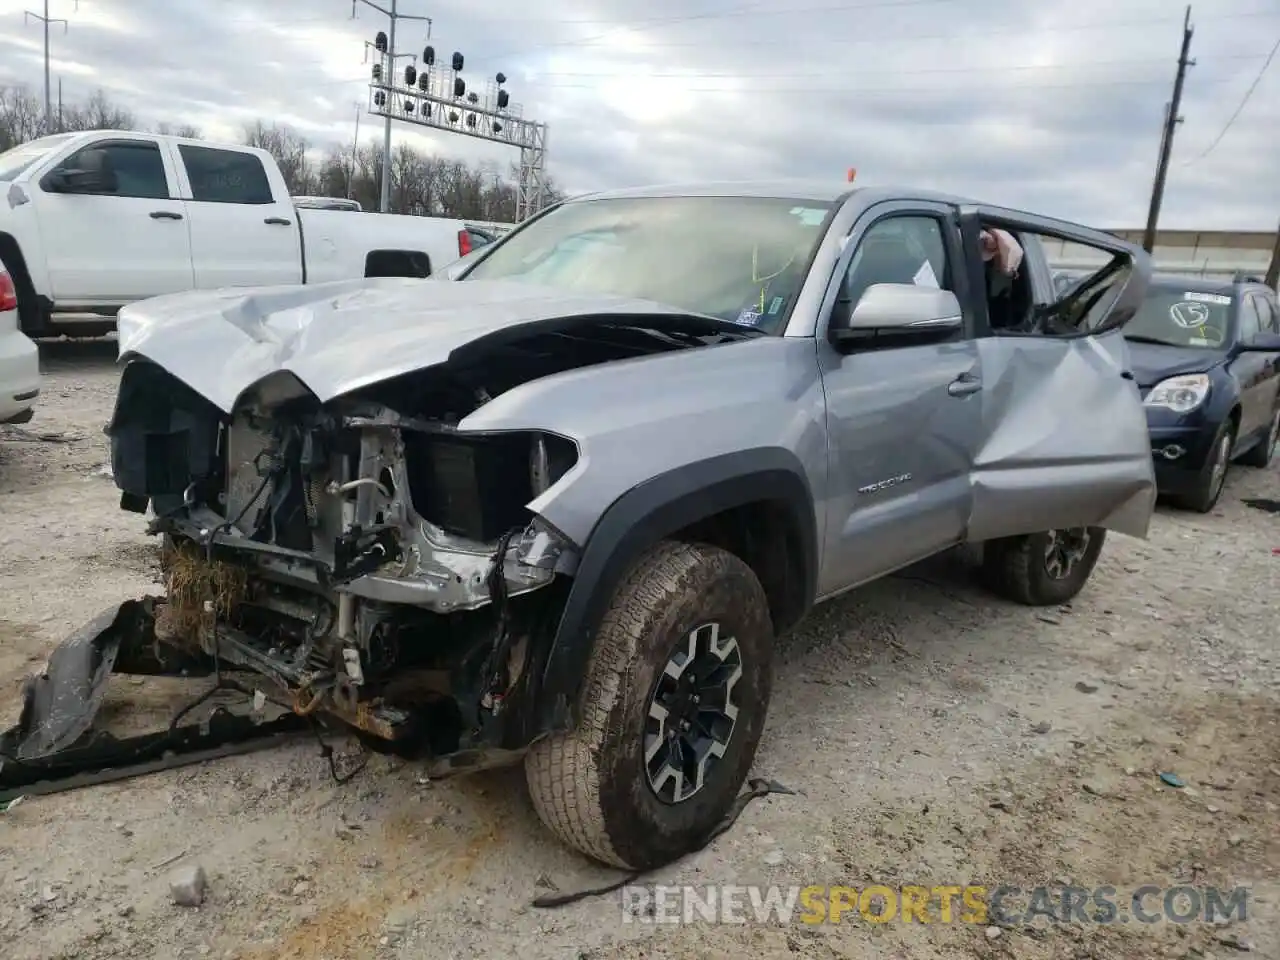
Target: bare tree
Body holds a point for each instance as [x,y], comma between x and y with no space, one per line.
[184,130]
[97,113]
[21,116]
[289,148]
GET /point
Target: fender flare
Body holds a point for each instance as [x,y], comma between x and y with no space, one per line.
[650,512]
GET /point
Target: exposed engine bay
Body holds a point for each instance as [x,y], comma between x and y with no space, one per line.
[364,557]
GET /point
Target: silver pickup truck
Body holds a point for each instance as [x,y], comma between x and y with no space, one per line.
[558,508]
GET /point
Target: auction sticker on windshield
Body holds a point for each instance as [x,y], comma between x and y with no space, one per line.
[1217,298]
[1189,315]
[810,216]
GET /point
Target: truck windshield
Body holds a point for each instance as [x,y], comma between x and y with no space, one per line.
[13,162]
[740,259]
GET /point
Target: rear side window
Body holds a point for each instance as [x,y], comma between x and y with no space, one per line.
[1250,321]
[225,176]
[1268,314]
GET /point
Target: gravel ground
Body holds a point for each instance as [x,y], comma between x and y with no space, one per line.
[934,736]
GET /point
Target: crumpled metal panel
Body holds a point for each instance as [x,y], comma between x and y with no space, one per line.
[1064,439]
[337,337]
[59,705]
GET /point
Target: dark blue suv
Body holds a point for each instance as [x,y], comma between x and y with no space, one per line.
[1206,354]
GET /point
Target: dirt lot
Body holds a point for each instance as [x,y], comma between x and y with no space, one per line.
[935,736]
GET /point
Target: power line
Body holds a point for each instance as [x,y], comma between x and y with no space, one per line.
[1146,22]
[1014,68]
[850,89]
[1240,109]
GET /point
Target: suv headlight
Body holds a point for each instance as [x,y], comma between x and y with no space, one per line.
[1179,394]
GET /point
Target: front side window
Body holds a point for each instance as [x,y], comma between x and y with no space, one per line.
[129,169]
[225,176]
[898,249]
[740,259]
[1172,314]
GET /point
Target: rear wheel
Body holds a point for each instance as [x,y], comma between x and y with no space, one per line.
[1261,454]
[675,700]
[1203,497]
[1041,569]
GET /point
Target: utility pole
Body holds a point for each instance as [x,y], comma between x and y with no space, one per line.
[394,16]
[1273,271]
[355,152]
[47,22]
[1171,120]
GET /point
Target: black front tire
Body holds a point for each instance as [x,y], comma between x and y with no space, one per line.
[1029,569]
[1212,479]
[591,786]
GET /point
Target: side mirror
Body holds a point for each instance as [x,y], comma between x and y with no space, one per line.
[1263,343]
[92,174]
[898,311]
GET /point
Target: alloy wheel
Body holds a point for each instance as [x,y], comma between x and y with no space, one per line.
[1066,548]
[692,713]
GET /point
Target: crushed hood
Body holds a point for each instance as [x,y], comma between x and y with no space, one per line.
[341,336]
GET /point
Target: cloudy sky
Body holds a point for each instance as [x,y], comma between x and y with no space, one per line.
[1054,105]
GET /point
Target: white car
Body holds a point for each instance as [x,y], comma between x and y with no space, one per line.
[19,359]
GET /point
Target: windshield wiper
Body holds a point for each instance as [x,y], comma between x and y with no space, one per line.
[1139,338]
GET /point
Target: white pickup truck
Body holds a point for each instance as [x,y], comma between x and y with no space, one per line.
[93,221]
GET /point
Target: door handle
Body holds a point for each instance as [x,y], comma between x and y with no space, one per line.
[165,215]
[1127,374]
[964,385]
[278,221]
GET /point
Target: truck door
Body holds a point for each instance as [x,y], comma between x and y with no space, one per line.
[901,415]
[1064,440]
[244,228]
[112,225]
